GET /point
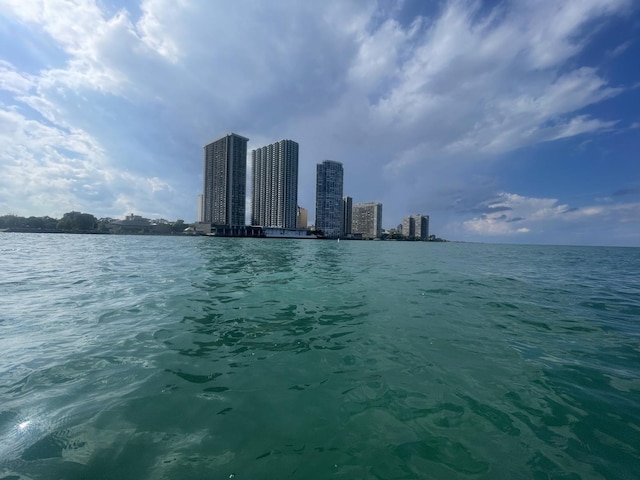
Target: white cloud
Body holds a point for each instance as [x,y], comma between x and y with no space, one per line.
[428,102]
[376,63]
[553,26]
[152,27]
[13,81]
[59,170]
[68,22]
[582,124]
[509,215]
[472,90]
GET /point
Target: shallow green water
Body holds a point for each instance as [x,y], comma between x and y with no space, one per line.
[161,357]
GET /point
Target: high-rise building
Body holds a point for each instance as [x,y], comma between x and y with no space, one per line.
[347,215]
[329,182]
[416,226]
[367,220]
[200,217]
[409,226]
[225,180]
[302,221]
[422,227]
[275,185]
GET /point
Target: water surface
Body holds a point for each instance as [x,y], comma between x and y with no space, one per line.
[169,357]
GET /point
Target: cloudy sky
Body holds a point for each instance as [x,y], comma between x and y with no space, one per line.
[505,121]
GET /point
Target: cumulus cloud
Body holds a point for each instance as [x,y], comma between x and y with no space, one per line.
[487,86]
[509,213]
[152,27]
[509,216]
[60,169]
[14,81]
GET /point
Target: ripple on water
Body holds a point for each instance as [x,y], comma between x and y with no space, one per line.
[235,358]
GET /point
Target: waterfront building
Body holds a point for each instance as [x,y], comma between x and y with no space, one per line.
[303,216]
[277,232]
[329,184]
[200,217]
[225,179]
[416,226]
[422,227]
[409,226]
[367,220]
[347,215]
[275,185]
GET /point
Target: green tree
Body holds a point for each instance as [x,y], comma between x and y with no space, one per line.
[49,223]
[76,221]
[104,224]
[178,226]
[35,223]
[12,221]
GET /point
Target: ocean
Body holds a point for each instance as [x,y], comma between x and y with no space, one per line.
[141,357]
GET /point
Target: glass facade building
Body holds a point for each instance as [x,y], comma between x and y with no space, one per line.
[329,205]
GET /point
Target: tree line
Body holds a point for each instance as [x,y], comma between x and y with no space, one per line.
[78,222]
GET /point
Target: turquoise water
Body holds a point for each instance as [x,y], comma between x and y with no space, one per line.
[204,358]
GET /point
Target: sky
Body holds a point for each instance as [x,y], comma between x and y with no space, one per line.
[504,121]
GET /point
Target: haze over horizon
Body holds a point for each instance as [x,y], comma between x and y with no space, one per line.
[505,121]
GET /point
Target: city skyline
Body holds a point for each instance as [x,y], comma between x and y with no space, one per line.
[274,186]
[500,124]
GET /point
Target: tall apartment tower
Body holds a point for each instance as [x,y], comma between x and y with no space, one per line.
[200,217]
[275,185]
[367,220]
[303,215]
[347,215]
[409,226]
[416,226]
[329,182]
[422,227]
[225,181]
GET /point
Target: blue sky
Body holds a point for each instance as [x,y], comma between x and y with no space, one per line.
[510,121]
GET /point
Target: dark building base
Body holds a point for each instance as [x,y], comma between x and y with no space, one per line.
[204,228]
